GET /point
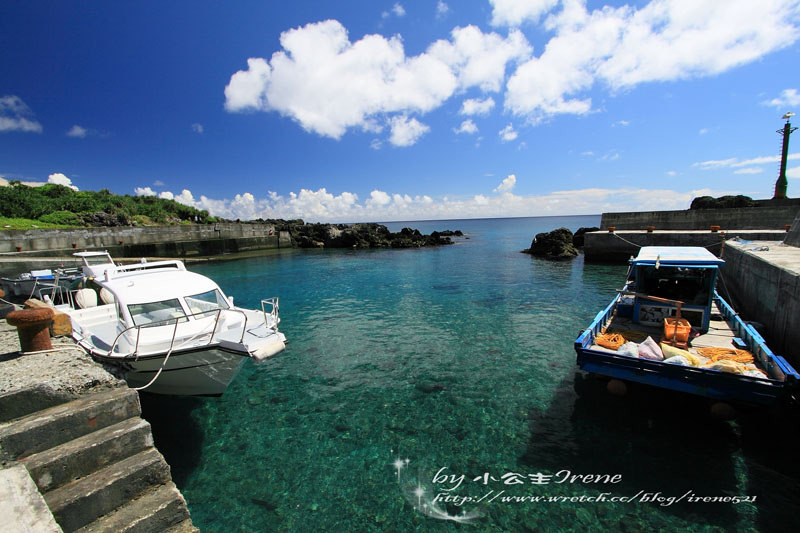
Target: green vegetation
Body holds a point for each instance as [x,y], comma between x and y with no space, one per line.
[56,206]
[723,202]
[27,223]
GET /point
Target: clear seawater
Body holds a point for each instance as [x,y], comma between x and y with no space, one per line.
[457,361]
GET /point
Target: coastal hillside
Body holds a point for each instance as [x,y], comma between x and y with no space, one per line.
[53,205]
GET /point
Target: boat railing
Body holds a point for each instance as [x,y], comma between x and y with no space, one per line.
[124,334]
[273,313]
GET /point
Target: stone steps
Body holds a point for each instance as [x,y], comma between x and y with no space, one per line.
[67,462]
[160,509]
[94,463]
[85,500]
[53,426]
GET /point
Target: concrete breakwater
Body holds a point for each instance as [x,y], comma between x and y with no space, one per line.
[75,454]
[770,214]
[159,241]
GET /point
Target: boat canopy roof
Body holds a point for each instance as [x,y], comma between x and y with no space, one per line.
[145,286]
[677,256]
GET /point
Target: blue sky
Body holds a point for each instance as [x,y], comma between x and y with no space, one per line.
[348,111]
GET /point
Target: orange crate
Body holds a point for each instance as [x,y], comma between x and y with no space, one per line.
[681,324]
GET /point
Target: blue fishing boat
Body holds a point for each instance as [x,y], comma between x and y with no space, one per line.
[702,346]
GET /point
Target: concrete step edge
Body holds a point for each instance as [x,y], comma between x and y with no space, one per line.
[83,501]
[80,457]
[53,426]
[155,510]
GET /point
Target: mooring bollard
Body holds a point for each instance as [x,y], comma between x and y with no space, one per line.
[33,328]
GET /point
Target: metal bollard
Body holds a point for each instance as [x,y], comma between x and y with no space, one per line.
[33,328]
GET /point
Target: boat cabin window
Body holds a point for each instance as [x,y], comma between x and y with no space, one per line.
[93,260]
[151,312]
[205,302]
[689,285]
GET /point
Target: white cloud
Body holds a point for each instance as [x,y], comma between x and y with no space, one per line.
[77,131]
[508,134]
[507,184]
[60,179]
[166,195]
[734,162]
[197,128]
[376,144]
[622,123]
[328,84]
[158,183]
[749,170]
[515,12]
[703,131]
[144,191]
[476,106]
[322,206]
[442,9]
[467,127]
[793,172]
[405,131]
[16,116]
[397,9]
[788,99]
[671,173]
[622,47]
[479,59]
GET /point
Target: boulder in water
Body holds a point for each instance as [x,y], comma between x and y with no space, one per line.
[556,244]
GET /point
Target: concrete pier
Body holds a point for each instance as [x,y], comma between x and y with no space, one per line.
[763,280]
[75,453]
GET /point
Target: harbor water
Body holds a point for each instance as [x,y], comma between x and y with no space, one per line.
[435,389]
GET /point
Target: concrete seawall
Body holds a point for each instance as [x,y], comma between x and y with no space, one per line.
[162,241]
[763,279]
[618,247]
[767,217]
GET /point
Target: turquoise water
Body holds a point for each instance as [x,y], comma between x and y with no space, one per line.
[459,360]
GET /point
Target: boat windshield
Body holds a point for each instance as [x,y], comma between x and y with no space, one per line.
[689,285]
[150,312]
[206,301]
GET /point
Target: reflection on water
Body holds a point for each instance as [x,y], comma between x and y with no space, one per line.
[460,358]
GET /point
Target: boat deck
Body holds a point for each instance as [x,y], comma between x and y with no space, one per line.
[719,335]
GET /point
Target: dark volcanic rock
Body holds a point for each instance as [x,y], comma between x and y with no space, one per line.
[365,235]
[554,245]
[577,239]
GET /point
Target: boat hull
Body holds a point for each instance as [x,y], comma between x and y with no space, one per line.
[204,371]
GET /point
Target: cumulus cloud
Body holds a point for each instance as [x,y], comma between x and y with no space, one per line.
[328,84]
[507,184]
[467,127]
[508,134]
[476,106]
[442,9]
[788,99]
[405,131]
[16,116]
[323,206]
[515,12]
[144,191]
[77,131]
[58,178]
[621,47]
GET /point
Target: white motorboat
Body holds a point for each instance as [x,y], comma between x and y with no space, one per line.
[168,330]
